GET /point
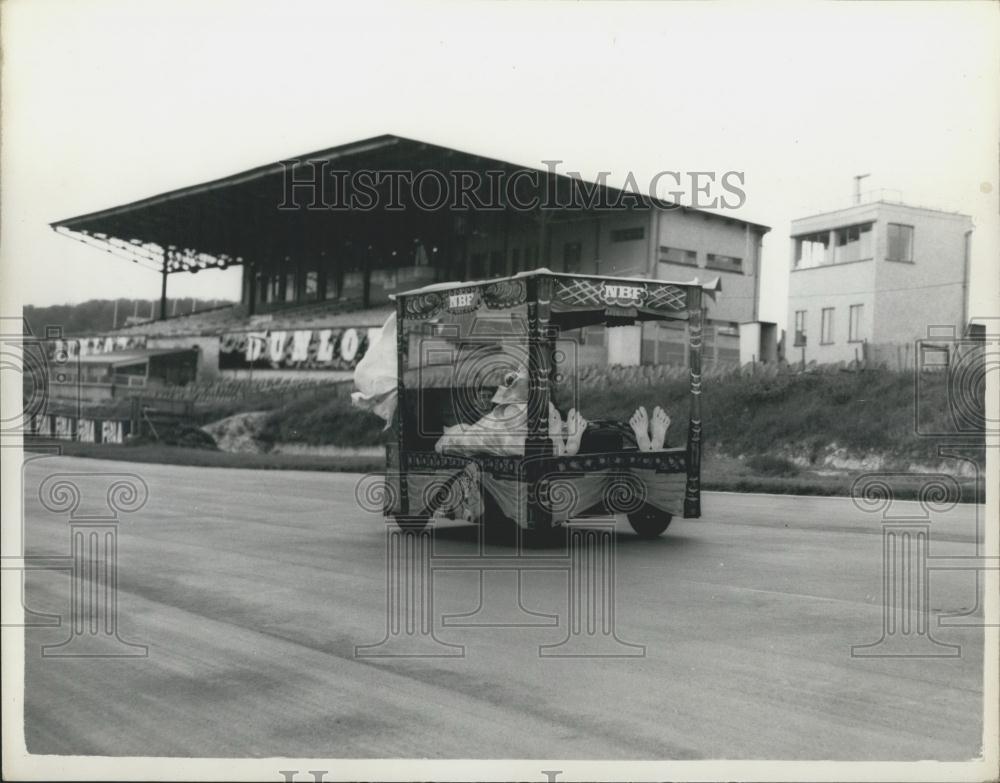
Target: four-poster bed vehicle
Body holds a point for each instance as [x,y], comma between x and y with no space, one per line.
[455,343]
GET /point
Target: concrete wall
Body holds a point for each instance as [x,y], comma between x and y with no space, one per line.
[704,234]
[599,253]
[927,292]
[837,286]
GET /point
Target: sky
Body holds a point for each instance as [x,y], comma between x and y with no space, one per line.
[106,101]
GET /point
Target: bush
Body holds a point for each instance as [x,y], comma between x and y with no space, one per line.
[770,465]
[319,421]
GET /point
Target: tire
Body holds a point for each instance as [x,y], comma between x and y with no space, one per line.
[649,522]
[410,522]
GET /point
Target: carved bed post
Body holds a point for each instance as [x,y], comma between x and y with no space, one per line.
[692,493]
[537,445]
[402,346]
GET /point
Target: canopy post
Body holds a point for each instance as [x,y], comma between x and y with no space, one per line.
[537,445]
[399,417]
[163,287]
[692,494]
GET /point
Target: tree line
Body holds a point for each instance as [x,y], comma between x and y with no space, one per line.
[102,315]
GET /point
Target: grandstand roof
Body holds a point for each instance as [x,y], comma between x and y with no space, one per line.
[229,220]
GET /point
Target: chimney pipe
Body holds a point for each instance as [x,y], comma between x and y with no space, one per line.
[857,186]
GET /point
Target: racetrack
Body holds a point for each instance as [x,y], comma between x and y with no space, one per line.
[251,590]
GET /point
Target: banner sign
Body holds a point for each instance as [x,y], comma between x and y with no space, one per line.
[88,346]
[301,349]
[84,430]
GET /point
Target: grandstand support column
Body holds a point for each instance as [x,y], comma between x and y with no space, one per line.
[163,287]
[251,272]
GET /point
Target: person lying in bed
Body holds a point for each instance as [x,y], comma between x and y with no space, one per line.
[650,432]
[502,430]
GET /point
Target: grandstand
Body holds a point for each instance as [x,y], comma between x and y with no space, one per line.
[317,282]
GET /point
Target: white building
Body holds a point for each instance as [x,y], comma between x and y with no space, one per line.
[868,281]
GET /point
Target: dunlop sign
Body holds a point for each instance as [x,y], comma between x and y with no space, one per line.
[312,349]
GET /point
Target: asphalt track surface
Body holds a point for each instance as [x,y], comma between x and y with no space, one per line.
[252,590]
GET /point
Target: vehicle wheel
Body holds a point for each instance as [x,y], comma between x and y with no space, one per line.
[410,522]
[649,522]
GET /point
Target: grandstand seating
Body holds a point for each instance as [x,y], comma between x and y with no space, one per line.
[211,321]
[234,318]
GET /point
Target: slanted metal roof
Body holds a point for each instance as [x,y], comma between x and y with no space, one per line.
[231,219]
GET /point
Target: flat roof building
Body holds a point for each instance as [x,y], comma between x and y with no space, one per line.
[867,282]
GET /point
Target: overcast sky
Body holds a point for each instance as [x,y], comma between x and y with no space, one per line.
[107,101]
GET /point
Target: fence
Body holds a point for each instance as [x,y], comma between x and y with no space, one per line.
[924,355]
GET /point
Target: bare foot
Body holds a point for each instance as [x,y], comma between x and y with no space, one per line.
[640,426]
[658,427]
[555,431]
[575,425]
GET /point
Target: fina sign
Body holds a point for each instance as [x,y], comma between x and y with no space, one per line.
[623,295]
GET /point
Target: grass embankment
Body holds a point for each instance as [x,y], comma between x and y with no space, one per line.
[768,432]
[765,417]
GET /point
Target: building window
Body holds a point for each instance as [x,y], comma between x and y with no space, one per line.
[290,287]
[900,246]
[662,343]
[628,234]
[811,250]
[800,327]
[312,285]
[854,334]
[674,255]
[594,335]
[854,243]
[826,327]
[724,263]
